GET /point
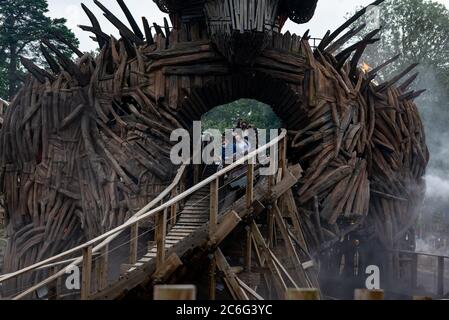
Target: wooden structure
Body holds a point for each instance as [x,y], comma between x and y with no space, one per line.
[85,145]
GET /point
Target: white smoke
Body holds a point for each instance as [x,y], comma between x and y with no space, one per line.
[437,187]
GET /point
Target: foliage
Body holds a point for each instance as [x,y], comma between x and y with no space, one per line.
[22,24]
[226,116]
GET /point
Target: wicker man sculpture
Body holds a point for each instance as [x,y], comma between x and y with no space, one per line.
[86,143]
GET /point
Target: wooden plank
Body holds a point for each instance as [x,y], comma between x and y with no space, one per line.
[227,224]
[250,184]
[291,251]
[212,281]
[87,273]
[170,265]
[134,237]
[229,277]
[248,249]
[174,292]
[213,206]
[161,225]
[103,261]
[366,294]
[302,294]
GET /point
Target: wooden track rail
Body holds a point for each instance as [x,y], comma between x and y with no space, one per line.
[167,246]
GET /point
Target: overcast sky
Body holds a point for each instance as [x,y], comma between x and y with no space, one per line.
[329,15]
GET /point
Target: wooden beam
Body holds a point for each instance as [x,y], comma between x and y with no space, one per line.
[250,184]
[174,292]
[87,273]
[102,268]
[161,230]
[248,249]
[366,294]
[291,251]
[249,289]
[302,294]
[279,282]
[212,280]
[213,206]
[133,243]
[229,276]
[228,223]
[173,209]
[283,162]
[170,265]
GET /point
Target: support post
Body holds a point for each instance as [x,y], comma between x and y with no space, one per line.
[196,173]
[212,281]
[441,276]
[283,156]
[161,230]
[174,292]
[133,244]
[173,210]
[366,294]
[87,272]
[248,249]
[213,207]
[250,184]
[414,271]
[302,294]
[103,260]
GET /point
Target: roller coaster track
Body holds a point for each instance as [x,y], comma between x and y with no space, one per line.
[199,225]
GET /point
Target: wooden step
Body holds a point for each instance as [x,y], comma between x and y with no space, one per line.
[172,237]
[186,228]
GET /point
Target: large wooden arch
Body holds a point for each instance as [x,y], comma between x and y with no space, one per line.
[284,101]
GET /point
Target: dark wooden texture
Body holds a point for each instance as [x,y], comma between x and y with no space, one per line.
[85,148]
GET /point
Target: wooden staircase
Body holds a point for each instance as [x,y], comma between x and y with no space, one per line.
[193,216]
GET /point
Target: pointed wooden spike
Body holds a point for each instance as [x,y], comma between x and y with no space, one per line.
[383,65]
[100,37]
[359,52]
[54,66]
[355,60]
[408,82]
[347,52]
[147,28]
[131,19]
[63,40]
[388,84]
[129,47]
[166,28]
[417,94]
[68,64]
[95,24]
[342,60]
[345,38]
[306,34]
[38,73]
[124,30]
[328,33]
[158,29]
[350,21]
[406,95]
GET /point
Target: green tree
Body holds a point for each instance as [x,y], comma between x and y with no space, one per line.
[415,29]
[418,30]
[226,116]
[23,23]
